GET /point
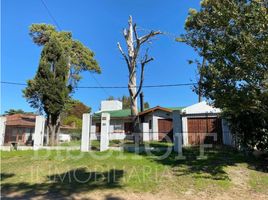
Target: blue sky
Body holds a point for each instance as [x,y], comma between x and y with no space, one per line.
[98,25]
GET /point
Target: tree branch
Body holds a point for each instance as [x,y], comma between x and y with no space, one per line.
[124,55]
[144,38]
[143,63]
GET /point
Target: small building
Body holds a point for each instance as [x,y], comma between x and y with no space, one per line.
[201,123]
[20,128]
[158,118]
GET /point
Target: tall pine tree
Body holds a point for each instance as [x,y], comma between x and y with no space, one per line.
[62,60]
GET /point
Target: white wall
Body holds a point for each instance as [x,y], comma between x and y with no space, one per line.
[185,130]
[109,105]
[2,130]
[200,108]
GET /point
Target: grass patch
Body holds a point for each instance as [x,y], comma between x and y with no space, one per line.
[259,181]
[67,172]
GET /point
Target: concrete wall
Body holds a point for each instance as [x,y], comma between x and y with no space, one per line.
[2,130]
[111,105]
[185,130]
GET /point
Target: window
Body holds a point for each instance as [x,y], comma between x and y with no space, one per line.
[118,127]
[150,124]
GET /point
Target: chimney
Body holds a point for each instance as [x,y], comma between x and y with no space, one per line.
[141,102]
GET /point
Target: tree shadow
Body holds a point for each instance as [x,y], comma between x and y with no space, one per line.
[210,166]
[64,185]
[112,197]
[4,176]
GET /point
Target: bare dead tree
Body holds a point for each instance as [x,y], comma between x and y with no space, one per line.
[134,43]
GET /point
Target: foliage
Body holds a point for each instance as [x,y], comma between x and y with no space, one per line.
[72,116]
[233,38]
[75,108]
[47,91]
[16,111]
[62,60]
[72,120]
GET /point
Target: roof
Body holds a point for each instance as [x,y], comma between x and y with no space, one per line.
[115,113]
[201,108]
[25,120]
[124,113]
[166,109]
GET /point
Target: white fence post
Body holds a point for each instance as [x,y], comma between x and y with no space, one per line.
[185,130]
[2,130]
[177,131]
[86,129]
[145,132]
[39,132]
[105,127]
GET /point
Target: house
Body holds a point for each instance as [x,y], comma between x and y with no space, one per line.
[20,129]
[158,118]
[200,123]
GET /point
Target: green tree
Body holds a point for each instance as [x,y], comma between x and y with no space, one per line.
[72,115]
[76,108]
[62,60]
[232,37]
[16,111]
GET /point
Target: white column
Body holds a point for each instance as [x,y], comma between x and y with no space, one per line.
[85,138]
[105,127]
[155,127]
[177,131]
[39,132]
[185,130]
[145,132]
[2,130]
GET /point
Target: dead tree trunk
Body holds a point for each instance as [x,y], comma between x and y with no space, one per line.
[134,43]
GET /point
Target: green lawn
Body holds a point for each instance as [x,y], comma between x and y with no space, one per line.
[117,143]
[63,173]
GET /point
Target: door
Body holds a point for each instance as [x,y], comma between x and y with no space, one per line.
[199,128]
[128,128]
[165,130]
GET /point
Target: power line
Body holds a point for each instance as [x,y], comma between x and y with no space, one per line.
[57,24]
[50,14]
[115,87]
[96,80]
